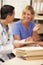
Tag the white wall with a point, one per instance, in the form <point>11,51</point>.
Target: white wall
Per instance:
<point>0,4</point>
<point>18,4</point>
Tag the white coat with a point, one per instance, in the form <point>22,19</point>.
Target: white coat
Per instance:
<point>6,42</point>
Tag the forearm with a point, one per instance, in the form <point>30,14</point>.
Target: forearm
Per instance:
<point>17,45</point>
<point>39,43</point>
<point>35,36</point>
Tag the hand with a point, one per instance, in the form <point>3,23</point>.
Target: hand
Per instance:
<point>37,27</point>
<point>29,39</point>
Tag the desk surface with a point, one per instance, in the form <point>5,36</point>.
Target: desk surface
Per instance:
<point>19,61</point>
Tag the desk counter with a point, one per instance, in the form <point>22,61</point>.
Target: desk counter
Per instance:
<point>19,61</point>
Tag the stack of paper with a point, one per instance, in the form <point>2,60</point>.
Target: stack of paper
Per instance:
<point>30,53</point>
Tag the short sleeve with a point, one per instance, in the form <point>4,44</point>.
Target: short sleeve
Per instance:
<point>16,30</point>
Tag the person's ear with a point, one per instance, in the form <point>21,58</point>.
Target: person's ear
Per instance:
<point>8,17</point>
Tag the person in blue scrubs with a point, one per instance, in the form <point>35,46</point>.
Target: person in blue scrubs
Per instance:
<point>26,29</point>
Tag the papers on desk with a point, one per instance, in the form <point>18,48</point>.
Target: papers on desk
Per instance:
<point>30,53</point>
<point>30,48</point>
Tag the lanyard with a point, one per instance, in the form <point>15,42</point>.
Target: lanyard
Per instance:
<point>4,27</point>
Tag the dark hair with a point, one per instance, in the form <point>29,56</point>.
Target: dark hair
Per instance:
<point>6,10</point>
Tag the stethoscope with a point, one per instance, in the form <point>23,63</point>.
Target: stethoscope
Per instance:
<point>5,34</point>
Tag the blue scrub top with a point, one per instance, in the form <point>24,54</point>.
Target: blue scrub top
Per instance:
<point>19,29</point>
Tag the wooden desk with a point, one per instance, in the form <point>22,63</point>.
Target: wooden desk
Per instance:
<point>19,61</point>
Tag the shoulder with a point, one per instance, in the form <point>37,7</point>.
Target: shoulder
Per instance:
<point>32,22</point>
<point>17,23</point>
